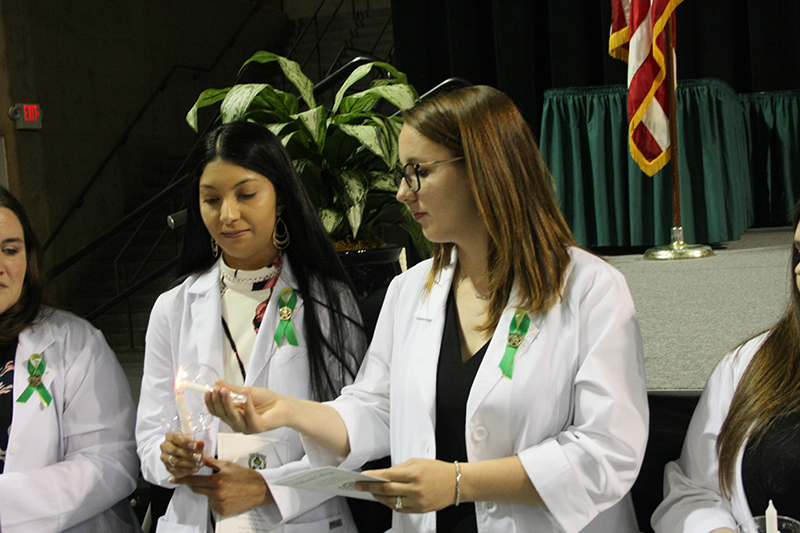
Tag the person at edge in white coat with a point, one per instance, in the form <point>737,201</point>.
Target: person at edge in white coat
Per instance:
<point>67,454</point>
<point>742,444</point>
<point>506,374</point>
<point>251,234</point>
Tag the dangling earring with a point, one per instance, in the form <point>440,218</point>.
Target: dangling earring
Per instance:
<point>214,247</point>
<point>280,238</point>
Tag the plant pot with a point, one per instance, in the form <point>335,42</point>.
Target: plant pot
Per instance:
<point>371,270</point>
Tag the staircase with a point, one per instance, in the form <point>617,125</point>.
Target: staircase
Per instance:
<point>129,257</point>
<point>361,33</point>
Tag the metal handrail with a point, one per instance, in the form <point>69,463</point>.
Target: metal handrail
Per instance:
<point>321,35</point>
<point>124,137</point>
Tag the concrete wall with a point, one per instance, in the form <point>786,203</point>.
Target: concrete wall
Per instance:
<point>92,65</point>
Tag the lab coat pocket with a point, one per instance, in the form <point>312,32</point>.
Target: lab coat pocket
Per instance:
<point>171,527</point>
<point>331,523</point>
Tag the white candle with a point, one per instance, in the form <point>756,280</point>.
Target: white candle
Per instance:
<point>772,518</point>
<point>197,387</point>
<point>183,414</point>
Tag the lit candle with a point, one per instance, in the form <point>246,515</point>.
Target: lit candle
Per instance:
<point>183,414</point>
<point>183,409</point>
<point>772,518</point>
<point>197,387</point>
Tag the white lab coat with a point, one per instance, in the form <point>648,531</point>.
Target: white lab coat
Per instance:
<point>575,410</point>
<point>693,502</point>
<point>186,327</point>
<point>71,465</point>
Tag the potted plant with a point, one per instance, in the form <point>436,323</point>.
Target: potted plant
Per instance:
<point>344,155</point>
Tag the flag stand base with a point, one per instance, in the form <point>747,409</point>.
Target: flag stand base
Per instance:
<point>678,249</point>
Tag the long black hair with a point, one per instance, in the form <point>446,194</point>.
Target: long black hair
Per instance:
<point>322,282</point>
<point>24,312</point>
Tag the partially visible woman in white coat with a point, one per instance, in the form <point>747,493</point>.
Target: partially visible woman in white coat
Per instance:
<point>253,245</point>
<point>506,375</point>
<point>742,444</point>
<point>67,454</point>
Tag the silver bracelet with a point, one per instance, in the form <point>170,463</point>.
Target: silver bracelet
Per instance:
<point>458,483</point>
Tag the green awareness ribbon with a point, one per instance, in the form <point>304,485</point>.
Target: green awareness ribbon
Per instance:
<point>516,334</point>
<point>36,371</point>
<point>286,308</point>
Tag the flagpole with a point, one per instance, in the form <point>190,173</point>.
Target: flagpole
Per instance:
<point>673,124</point>
<point>677,249</point>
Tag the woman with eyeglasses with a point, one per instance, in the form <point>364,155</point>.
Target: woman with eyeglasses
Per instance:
<point>67,455</point>
<point>505,376</point>
<point>263,301</point>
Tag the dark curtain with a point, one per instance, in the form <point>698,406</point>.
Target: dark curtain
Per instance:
<point>524,48</point>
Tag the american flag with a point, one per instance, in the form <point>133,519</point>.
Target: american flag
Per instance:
<point>637,36</point>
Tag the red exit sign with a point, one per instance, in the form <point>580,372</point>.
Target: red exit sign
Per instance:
<point>27,116</point>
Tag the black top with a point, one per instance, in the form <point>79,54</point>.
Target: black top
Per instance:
<point>7,352</point>
<point>771,468</point>
<point>453,382</point>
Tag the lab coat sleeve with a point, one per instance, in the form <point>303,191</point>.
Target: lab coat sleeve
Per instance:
<point>157,391</point>
<point>693,502</point>
<point>364,405</point>
<point>592,464</point>
<point>289,503</point>
<point>99,466</point>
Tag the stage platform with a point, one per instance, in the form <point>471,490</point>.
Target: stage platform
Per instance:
<point>693,311</point>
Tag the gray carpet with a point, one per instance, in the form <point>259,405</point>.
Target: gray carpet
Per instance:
<point>692,312</point>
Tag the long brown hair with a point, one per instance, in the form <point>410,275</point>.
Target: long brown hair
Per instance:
<point>528,237</point>
<point>770,386</point>
<point>24,312</point>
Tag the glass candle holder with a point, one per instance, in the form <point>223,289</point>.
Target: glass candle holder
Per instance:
<point>758,524</point>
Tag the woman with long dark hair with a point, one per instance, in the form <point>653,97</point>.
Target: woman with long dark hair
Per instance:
<point>506,375</point>
<point>742,444</point>
<point>67,454</point>
<point>254,247</point>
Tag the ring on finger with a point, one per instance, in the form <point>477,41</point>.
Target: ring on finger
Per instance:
<point>171,460</point>
<point>398,503</point>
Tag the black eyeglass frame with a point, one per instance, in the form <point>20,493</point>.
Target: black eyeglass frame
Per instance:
<point>403,172</point>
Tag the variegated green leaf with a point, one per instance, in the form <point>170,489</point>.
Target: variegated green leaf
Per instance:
<point>399,95</point>
<point>382,181</point>
<point>292,71</point>
<point>370,137</point>
<point>354,76</point>
<point>331,219</point>
<point>356,191</point>
<point>206,98</point>
<point>389,133</point>
<point>238,100</point>
<point>315,121</point>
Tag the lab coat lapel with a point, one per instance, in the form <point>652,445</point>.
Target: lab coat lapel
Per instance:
<point>429,325</point>
<point>265,348</point>
<point>205,336</point>
<point>489,373</point>
<point>32,418</point>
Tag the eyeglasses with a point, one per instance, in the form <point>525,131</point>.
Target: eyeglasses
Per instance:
<point>410,172</point>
